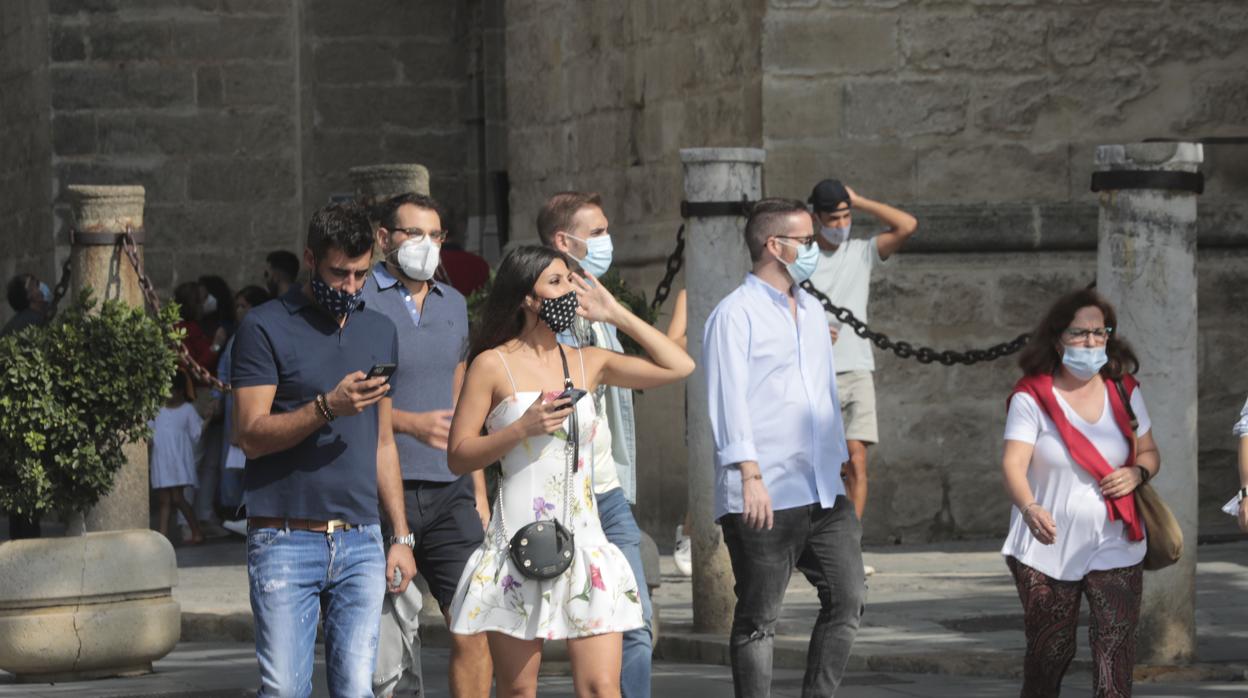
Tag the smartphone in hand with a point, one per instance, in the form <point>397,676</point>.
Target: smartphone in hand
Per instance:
<point>573,393</point>
<point>381,371</point>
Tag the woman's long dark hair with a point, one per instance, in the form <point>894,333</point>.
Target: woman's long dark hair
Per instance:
<point>502,318</point>
<point>1041,357</point>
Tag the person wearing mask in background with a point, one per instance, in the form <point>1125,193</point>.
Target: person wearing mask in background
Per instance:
<point>30,299</point>
<point>844,276</point>
<point>280,272</point>
<point>233,459</point>
<point>779,449</point>
<point>446,513</point>
<point>574,224</point>
<point>217,321</point>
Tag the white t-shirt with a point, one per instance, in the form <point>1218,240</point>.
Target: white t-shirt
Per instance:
<point>1086,539</point>
<point>844,276</point>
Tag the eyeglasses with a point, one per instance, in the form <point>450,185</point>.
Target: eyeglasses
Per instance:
<point>438,236</point>
<point>804,241</point>
<point>1078,334</point>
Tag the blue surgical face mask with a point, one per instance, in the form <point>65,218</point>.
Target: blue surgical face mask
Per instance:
<point>45,292</point>
<point>801,268</point>
<point>598,254</point>
<point>836,236</point>
<point>1084,362</point>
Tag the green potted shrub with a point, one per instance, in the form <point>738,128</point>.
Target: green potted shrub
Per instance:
<point>73,395</point>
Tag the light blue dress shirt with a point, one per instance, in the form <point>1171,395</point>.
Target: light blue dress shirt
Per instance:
<point>771,391</point>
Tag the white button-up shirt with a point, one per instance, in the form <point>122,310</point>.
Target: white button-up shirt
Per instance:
<point>771,389</point>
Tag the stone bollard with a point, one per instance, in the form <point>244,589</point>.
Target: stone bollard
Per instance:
<point>98,213</point>
<point>716,263</point>
<point>376,183</point>
<point>1146,266</point>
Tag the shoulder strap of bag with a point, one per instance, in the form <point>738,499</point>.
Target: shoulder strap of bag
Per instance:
<point>1126,402</point>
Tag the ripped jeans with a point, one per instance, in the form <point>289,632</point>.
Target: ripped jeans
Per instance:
<point>299,577</point>
<point>826,545</point>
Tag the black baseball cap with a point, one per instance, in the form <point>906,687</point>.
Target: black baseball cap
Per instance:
<point>828,195</point>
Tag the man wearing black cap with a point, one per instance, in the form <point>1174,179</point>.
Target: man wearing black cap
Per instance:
<point>844,275</point>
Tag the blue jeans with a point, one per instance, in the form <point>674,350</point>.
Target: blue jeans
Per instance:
<point>621,530</point>
<point>295,578</point>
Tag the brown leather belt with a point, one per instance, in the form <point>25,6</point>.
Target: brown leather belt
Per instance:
<point>299,524</point>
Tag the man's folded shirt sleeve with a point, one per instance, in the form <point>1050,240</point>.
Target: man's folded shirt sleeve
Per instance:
<point>254,361</point>
<point>726,357</point>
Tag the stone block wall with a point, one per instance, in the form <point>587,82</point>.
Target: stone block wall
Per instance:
<point>25,144</point>
<point>982,119</point>
<point>195,100</point>
<point>601,96</point>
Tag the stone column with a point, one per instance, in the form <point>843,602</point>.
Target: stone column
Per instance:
<point>376,183</point>
<point>1146,266</point>
<point>103,267</point>
<point>716,261</point>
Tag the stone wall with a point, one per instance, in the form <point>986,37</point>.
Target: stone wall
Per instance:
<point>601,96</point>
<point>195,100</point>
<point>982,119</point>
<point>25,144</point>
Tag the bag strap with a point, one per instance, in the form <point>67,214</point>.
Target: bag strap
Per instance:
<point>1126,402</point>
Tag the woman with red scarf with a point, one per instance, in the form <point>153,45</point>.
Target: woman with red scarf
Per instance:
<point>1070,470</point>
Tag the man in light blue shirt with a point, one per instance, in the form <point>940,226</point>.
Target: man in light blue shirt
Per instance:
<point>779,448</point>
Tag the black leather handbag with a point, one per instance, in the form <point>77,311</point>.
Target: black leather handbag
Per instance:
<point>544,549</point>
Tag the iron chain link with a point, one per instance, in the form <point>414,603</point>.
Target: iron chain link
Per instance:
<point>906,350</point>
<point>62,286</point>
<point>675,261</point>
<point>198,372</point>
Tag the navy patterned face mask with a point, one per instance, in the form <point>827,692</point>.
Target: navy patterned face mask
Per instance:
<point>558,313</point>
<point>338,303</point>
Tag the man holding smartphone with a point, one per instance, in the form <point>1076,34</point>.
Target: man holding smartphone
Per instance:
<point>574,223</point>
<point>779,449</point>
<point>447,514</point>
<point>320,460</point>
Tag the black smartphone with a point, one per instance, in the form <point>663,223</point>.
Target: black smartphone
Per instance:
<point>382,371</point>
<point>574,393</point>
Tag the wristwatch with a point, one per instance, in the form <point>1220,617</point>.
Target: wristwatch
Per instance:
<point>409,540</point>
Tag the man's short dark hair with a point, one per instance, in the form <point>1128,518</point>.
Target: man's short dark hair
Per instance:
<point>559,210</point>
<point>284,262</point>
<point>386,213</point>
<point>340,226</point>
<point>19,299</point>
<point>767,221</point>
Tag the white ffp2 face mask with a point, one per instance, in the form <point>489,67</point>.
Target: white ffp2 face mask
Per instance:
<point>418,259</point>
<point>836,236</point>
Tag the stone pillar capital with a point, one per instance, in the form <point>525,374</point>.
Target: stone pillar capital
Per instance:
<point>106,208</point>
<point>376,183</point>
<point>1165,156</point>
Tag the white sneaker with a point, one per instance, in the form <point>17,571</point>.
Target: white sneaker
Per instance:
<point>683,554</point>
<point>238,527</point>
<point>867,570</point>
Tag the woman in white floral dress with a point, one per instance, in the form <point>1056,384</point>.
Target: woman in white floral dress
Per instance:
<point>507,412</point>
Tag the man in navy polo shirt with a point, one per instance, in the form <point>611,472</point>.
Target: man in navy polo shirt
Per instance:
<point>446,513</point>
<point>320,458</point>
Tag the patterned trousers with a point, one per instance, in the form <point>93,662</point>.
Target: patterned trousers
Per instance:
<point>1051,617</point>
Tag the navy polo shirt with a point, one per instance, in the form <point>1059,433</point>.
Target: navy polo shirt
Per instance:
<point>432,341</point>
<point>293,344</point>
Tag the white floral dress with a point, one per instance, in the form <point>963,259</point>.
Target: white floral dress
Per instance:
<point>597,594</point>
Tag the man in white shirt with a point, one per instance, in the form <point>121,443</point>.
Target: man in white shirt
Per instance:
<point>844,276</point>
<point>779,450</point>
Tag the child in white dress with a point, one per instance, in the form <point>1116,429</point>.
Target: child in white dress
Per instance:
<point>175,434</point>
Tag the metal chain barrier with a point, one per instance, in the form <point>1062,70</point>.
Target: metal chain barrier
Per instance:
<point>906,350</point>
<point>198,372</point>
<point>62,286</point>
<point>675,261</point>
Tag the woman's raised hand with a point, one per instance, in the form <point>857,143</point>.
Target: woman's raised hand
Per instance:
<point>544,416</point>
<point>596,303</point>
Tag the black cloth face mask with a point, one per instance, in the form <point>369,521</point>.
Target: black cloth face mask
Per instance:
<point>558,313</point>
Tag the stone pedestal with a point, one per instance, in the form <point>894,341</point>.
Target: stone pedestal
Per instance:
<point>105,269</point>
<point>1146,266</point>
<point>376,183</point>
<point>89,606</point>
<point>716,261</point>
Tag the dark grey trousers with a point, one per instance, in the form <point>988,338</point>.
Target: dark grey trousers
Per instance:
<point>826,545</point>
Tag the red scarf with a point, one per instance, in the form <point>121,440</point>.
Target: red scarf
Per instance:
<point>1040,388</point>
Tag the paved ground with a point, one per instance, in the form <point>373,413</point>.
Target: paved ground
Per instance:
<point>228,670</point>
<point>941,621</point>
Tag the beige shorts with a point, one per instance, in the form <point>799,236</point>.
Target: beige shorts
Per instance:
<point>856,390</point>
